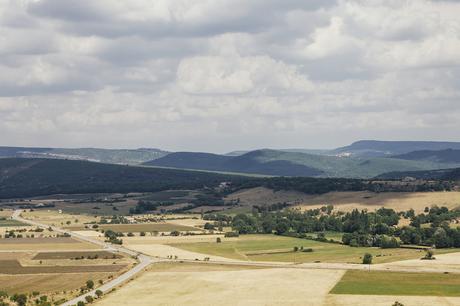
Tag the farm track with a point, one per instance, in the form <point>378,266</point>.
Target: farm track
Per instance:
<point>144,261</point>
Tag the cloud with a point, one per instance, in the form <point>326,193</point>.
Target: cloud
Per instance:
<point>223,74</point>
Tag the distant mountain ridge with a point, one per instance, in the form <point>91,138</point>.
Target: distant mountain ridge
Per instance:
<point>246,163</point>
<point>378,148</point>
<point>442,156</point>
<point>438,174</point>
<point>282,163</point>
<point>111,156</point>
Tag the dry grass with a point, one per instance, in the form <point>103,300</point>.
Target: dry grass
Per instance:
<point>43,244</point>
<point>47,283</point>
<point>53,217</point>
<point>148,227</point>
<point>14,267</point>
<point>399,201</point>
<point>6,213</point>
<point>73,255</point>
<point>243,287</point>
<point>264,196</point>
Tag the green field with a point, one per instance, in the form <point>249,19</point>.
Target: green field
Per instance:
<point>148,227</point>
<point>398,283</point>
<point>278,248</point>
<point>9,222</point>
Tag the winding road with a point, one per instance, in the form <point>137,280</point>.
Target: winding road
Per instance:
<point>144,260</point>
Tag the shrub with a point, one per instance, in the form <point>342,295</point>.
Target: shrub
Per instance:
<point>89,284</point>
<point>231,234</point>
<point>367,259</point>
<point>218,240</point>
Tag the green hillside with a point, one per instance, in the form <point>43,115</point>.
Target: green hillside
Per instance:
<point>111,156</point>
<point>282,163</point>
<point>21,177</point>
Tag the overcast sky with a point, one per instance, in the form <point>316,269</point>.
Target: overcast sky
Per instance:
<point>221,75</point>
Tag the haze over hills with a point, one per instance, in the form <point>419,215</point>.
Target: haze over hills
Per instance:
<point>362,159</point>
<point>110,156</point>
<point>438,174</point>
<point>273,162</point>
<point>442,156</point>
<point>377,148</point>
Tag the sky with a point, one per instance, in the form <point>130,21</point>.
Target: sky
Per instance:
<point>223,75</point>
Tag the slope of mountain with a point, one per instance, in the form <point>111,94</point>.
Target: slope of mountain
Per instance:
<point>375,148</point>
<point>113,156</point>
<point>439,174</point>
<point>273,162</point>
<point>254,162</point>
<point>25,177</point>
<point>443,156</point>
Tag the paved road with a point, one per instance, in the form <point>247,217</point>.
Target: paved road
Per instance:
<point>144,260</point>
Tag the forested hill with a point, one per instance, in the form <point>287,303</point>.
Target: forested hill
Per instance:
<point>441,174</point>
<point>442,156</point>
<point>377,148</point>
<point>22,177</point>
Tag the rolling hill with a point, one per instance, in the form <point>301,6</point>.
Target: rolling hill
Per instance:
<point>112,156</point>
<point>438,174</point>
<point>376,148</point>
<point>254,162</point>
<point>442,156</point>
<point>282,163</point>
<point>26,177</point>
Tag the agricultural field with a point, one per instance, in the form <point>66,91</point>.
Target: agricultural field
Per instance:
<point>5,213</point>
<point>203,284</point>
<point>148,227</point>
<point>398,283</point>
<point>10,223</point>
<point>43,244</point>
<point>280,249</point>
<point>54,218</point>
<point>399,201</point>
<point>58,274</point>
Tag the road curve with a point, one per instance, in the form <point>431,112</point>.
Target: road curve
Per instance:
<point>144,260</point>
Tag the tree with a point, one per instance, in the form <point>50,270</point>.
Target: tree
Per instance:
<point>89,299</point>
<point>80,303</point>
<point>89,284</point>
<point>218,240</point>
<point>367,259</point>
<point>99,293</point>
<point>21,299</point>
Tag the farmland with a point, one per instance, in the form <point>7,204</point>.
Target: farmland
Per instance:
<point>398,283</point>
<point>399,201</point>
<point>10,223</point>
<point>43,244</point>
<point>147,227</point>
<point>213,285</point>
<point>276,248</point>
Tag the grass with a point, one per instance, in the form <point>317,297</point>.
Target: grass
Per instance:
<point>147,227</point>
<point>14,267</point>
<point>277,248</point>
<point>9,222</point>
<point>398,283</point>
<point>72,255</point>
<point>47,283</point>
